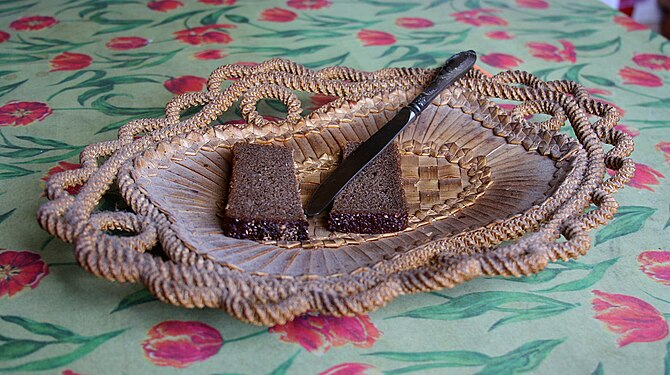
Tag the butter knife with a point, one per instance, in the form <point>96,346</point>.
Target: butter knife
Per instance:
<point>454,68</point>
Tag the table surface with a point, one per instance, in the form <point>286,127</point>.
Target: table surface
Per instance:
<point>73,71</point>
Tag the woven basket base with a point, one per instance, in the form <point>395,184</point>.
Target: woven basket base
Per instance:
<point>449,160</point>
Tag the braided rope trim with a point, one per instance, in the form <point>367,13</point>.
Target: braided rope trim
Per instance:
<point>190,280</point>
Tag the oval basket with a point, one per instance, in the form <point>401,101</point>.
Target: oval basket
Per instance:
<point>474,175</point>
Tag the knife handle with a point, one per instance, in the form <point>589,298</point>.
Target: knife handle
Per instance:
<point>444,78</point>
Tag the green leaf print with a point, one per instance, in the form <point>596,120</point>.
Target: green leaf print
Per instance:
<point>37,146</point>
<point>48,45</point>
<point>420,368</point>
<point>134,299</point>
<point>335,22</point>
<point>590,9</point>
<point>458,358</point>
<point>278,51</point>
<point>575,17</point>
<point>473,4</point>
<point>284,366</point>
<point>557,34</point>
<point>573,73</point>
<point>16,9</point>
<point>651,124</point>
<point>139,60</point>
<point>661,103</point>
<point>116,25</point>
<point>602,81</point>
<point>62,360</point>
<point>11,87</point>
<point>103,105</point>
<point>499,4</point>
<point>436,3</point>
<point>547,274</point>
<point>424,60</point>
<point>409,50</point>
<point>301,35</point>
<point>43,141</point>
<point>99,84</point>
<point>440,37</point>
<point>15,58</point>
<point>235,18</point>
<point>52,159</point>
<point>599,370</point>
<point>213,18</point>
<point>479,303</point>
<point>629,219</point>
<point>91,6</point>
<point>610,47</point>
<point>593,277</point>
<point>11,171</point>
<point>332,61</point>
<point>21,154</point>
<point>117,124</point>
<point>18,348</point>
<point>39,328</point>
<point>97,74</point>
<point>544,73</point>
<point>6,215</point>
<point>539,312</point>
<point>391,7</point>
<point>526,358</point>
<point>177,17</point>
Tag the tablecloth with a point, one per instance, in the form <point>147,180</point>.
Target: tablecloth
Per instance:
<point>73,71</point>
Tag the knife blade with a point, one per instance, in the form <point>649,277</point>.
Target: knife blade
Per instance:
<point>454,68</point>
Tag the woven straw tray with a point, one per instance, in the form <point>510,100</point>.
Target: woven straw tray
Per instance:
<point>475,176</point>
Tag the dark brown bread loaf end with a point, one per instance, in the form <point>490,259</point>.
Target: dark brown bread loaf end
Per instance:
<point>374,202</point>
<point>263,197</point>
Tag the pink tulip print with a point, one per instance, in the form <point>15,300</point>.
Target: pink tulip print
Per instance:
<point>633,319</point>
<point>181,343</point>
<point>320,333</point>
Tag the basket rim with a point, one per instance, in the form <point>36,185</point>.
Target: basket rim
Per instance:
<point>191,281</point>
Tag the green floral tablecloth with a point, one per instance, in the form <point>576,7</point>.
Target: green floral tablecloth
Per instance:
<point>74,71</point>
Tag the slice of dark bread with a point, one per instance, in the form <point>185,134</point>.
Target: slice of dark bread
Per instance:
<point>263,196</point>
<point>374,201</point>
